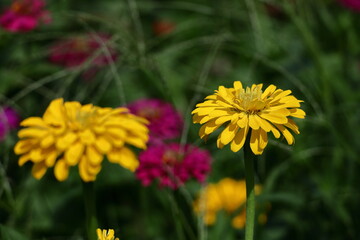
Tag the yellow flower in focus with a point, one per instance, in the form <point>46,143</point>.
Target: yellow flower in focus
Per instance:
<point>71,134</point>
<point>228,195</point>
<point>103,235</point>
<point>242,110</point>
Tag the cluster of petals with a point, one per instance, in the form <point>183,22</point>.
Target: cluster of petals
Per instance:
<point>24,15</point>
<point>165,121</point>
<point>248,110</point>
<point>227,195</point>
<point>9,120</point>
<point>172,164</point>
<point>71,134</point>
<point>106,235</point>
<point>75,51</point>
<point>352,4</point>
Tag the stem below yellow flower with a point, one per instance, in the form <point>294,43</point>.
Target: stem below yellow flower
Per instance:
<point>90,209</point>
<point>249,158</point>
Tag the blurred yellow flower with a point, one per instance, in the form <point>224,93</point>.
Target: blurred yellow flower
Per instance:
<point>228,195</point>
<point>71,134</point>
<point>241,109</point>
<point>103,235</point>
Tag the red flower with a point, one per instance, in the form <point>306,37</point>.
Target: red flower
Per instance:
<point>173,165</point>
<point>24,15</point>
<point>165,121</point>
<point>75,51</point>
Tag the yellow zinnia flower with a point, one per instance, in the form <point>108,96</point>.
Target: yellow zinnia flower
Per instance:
<point>70,134</point>
<point>241,109</point>
<point>103,235</point>
<point>228,195</point>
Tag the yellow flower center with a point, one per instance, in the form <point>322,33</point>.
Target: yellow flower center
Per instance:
<point>149,113</point>
<point>82,120</point>
<point>250,100</point>
<point>81,44</point>
<point>20,7</point>
<point>171,157</point>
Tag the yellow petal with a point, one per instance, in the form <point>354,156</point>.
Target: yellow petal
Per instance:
<point>37,155</point>
<point>292,125</point>
<point>219,144</point>
<point>282,94</point>
<point>223,119</point>
<point>32,133</point>
<point>23,159</point>
<point>264,124</point>
<point>228,134</point>
<point>209,127</point>
<point>239,140</point>
<point>116,132</point>
<point>61,170</point>
<point>263,140</point>
<point>125,157</point>
<point>72,109</point>
<point>83,171</point>
<point>278,116</point>
<point>51,158</point>
<point>136,141</point>
<point>24,146</point>
<point>94,156</point>
<point>254,142</point>
<point>99,233</point>
<point>220,113</point>
<point>33,122</point>
<point>47,141</point>
<point>38,170</point>
<point>253,123</point>
<point>243,120</point>
<point>74,152</point>
<point>298,113</point>
<point>65,141</point>
<point>87,137</point>
<point>268,91</point>
<point>237,85</point>
<point>288,136</point>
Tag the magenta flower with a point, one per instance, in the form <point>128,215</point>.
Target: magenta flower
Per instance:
<point>352,4</point>
<point>75,51</point>
<point>24,15</point>
<point>165,121</point>
<point>173,165</point>
<point>9,120</point>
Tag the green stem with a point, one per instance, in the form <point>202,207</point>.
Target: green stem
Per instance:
<point>250,192</point>
<point>90,210</point>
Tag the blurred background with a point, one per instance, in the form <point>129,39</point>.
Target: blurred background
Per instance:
<point>112,53</point>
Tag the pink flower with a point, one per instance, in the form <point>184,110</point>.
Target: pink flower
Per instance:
<point>353,4</point>
<point>75,51</point>
<point>24,15</point>
<point>9,119</point>
<point>165,121</point>
<point>173,165</point>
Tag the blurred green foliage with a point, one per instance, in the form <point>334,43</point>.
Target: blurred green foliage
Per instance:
<point>311,47</point>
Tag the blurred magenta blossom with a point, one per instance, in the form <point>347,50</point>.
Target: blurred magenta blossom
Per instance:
<point>173,165</point>
<point>165,121</point>
<point>353,4</point>
<point>75,51</point>
<point>9,120</point>
<point>24,15</point>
